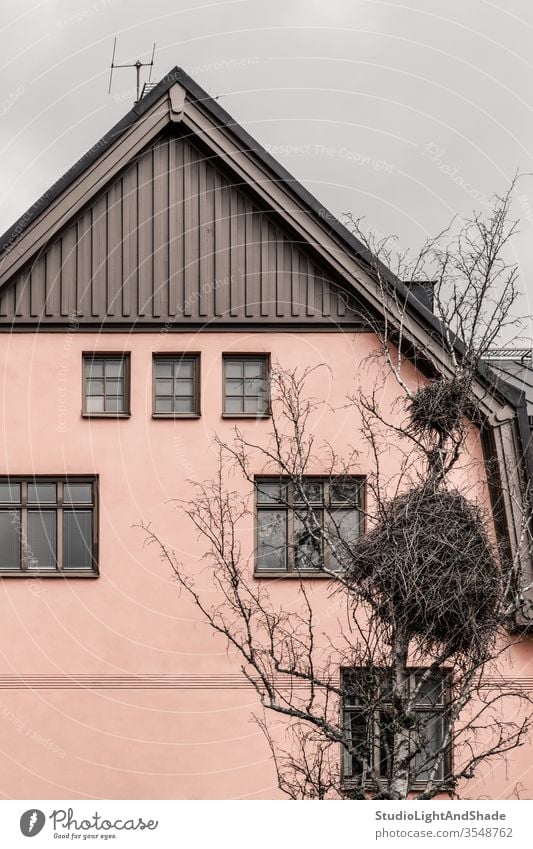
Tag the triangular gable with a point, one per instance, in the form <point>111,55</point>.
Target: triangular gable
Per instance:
<point>173,239</point>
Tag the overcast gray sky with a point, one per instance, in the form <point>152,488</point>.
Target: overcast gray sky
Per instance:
<point>405,113</point>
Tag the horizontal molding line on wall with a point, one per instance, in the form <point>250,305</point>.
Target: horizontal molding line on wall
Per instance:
<point>134,682</point>
<point>186,682</point>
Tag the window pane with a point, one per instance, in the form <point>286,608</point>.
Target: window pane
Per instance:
<point>254,405</point>
<point>95,405</point>
<point>114,404</point>
<point>77,536</point>
<point>271,492</point>
<point>164,387</point>
<point>164,368</point>
<point>431,691</point>
<point>163,405</point>
<point>363,687</point>
<point>114,368</point>
<point>183,387</point>
<point>386,742</point>
<point>233,405</point>
<point>234,387</point>
<point>183,405</point>
<point>41,493</point>
<point>430,738</point>
<point>359,735</point>
<point>254,387</point>
<point>345,490</point>
<point>184,368</point>
<point>254,368</point>
<point>312,492</point>
<point>271,540</point>
<point>95,387</point>
<point>10,493</point>
<point>41,550</point>
<point>9,539</point>
<point>77,493</point>
<point>344,529</point>
<point>114,387</point>
<point>234,368</point>
<point>307,541</point>
<point>94,368</point>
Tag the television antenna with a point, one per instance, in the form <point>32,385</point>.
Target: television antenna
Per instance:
<point>137,65</point>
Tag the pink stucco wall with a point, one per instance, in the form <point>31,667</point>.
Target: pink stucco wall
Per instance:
<point>165,743</point>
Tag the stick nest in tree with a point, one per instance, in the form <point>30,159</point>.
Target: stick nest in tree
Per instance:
<point>429,567</point>
<point>438,407</point>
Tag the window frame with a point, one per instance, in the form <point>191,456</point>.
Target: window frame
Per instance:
<point>91,356</point>
<point>420,708</point>
<point>290,570</point>
<point>58,508</point>
<point>246,355</point>
<point>195,357</point>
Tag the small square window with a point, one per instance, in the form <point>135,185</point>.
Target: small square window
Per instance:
<point>246,391</point>
<point>106,389</point>
<point>176,385</point>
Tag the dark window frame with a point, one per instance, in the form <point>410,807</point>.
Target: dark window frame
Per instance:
<point>94,356</point>
<point>178,356</point>
<point>421,708</point>
<point>237,357</point>
<point>290,508</point>
<point>59,507</point>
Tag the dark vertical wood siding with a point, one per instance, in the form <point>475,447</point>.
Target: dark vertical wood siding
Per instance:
<point>173,239</point>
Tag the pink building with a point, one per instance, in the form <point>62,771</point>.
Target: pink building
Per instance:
<point>173,260</point>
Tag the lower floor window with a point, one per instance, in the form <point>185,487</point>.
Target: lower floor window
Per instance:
<point>368,724</point>
<point>308,525</point>
<point>47,525</point>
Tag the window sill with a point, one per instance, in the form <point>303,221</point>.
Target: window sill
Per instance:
<point>176,415</point>
<point>63,573</point>
<point>350,784</point>
<point>298,575</point>
<point>106,415</point>
<point>245,415</point>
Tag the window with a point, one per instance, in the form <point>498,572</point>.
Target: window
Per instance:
<point>176,385</point>
<point>246,386</point>
<point>48,526</point>
<point>106,389</point>
<point>293,522</point>
<point>368,720</point>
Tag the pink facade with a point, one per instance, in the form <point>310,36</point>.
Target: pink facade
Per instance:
<point>77,724</point>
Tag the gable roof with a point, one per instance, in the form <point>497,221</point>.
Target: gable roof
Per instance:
<point>174,241</point>
<point>416,300</point>
<point>197,95</point>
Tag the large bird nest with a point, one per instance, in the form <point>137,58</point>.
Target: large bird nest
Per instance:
<point>429,567</point>
<point>438,407</point>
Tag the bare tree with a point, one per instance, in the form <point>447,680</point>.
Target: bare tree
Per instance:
<point>412,672</point>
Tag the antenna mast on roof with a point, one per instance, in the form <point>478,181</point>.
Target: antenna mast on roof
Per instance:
<point>137,65</point>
